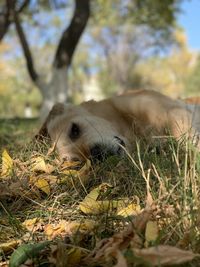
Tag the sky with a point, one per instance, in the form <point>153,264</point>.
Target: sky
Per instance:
<point>190,21</point>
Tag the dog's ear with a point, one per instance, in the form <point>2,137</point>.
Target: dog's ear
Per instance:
<point>57,109</point>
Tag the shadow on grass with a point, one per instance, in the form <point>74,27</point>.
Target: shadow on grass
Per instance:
<point>14,133</point>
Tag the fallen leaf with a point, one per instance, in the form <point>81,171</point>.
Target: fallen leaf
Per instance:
<point>58,255</point>
<point>90,205</point>
<point>164,255</point>
<point>129,237</point>
<point>130,210</point>
<point>78,175</point>
<point>151,232</point>
<point>43,185</point>
<point>69,164</point>
<point>69,173</point>
<point>25,252</point>
<point>73,257</point>
<point>51,179</point>
<point>32,225</point>
<point>84,227</point>
<point>8,246</point>
<point>68,228</point>
<point>86,168</point>
<point>56,230</point>
<point>7,164</point>
<point>95,207</point>
<point>39,165</point>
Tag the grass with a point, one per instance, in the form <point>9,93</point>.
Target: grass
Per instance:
<point>169,173</point>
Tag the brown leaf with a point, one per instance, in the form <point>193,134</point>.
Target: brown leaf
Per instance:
<point>69,228</point>
<point>164,255</point>
<point>121,261</point>
<point>106,248</point>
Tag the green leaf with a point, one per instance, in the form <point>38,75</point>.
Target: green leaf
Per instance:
<point>25,252</point>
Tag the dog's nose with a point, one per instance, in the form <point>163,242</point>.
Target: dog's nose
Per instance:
<point>100,152</point>
<point>97,152</point>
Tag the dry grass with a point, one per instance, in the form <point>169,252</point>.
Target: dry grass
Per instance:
<point>170,173</point>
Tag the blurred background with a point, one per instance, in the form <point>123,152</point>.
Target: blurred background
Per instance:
<point>64,50</point>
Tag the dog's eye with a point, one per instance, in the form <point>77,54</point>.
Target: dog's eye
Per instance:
<point>74,132</point>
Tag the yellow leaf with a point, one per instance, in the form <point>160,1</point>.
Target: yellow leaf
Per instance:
<point>70,173</point>
<point>83,227</point>
<point>7,164</point>
<point>40,165</point>
<point>32,225</point>
<point>43,185</point>
<point>86,167</point>
<point>74,257</point>
<point>151,232</point>
<point>90,204</point>
<point>6,247</point>
<point>69,164</point>
<point>95,207</point>
<point>130,210</point>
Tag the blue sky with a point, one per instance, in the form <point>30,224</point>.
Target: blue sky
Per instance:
<point>190,20</point>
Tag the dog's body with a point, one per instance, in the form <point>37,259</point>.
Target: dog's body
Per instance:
<point>105,127</point>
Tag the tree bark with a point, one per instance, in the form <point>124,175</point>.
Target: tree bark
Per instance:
<point>6,18</point>
<point>72,34</point>
<point>56,89</point>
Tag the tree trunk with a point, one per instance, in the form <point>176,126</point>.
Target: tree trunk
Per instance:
<point>55,90</point>
<point>5,15</point>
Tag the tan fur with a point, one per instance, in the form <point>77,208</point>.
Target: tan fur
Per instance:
<point>140,114</point>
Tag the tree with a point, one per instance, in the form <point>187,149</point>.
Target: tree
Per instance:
<point>156,16</point>
<point>193,81</point>
<point>169,73</point>
<point>55,89</point>
<point>128,32</point>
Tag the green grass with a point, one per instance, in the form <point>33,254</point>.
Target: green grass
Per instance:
<point>14,133</point>
<point>172,171</point>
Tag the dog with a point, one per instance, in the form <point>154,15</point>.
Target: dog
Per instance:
<point>111,126</point>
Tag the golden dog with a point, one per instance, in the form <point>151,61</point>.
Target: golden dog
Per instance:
<point>111,126</point>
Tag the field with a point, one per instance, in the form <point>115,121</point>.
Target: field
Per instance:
<point>142,210</point>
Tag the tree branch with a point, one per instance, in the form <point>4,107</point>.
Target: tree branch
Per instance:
<point>5,17</point>
<point>72,34</point>
<point>25,47</point>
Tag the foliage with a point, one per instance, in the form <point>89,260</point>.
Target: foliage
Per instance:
<point>129,65</point>
<point>158,15</point>
<point>16,89</point>
<point>193,81</point>
<point>140,26</point>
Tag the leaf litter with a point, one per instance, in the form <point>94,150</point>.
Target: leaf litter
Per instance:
<point>138,235</point>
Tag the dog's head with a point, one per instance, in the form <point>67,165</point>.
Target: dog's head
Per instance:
<point>78,134</point>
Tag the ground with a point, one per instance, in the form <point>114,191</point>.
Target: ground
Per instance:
<point>142,210</point>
